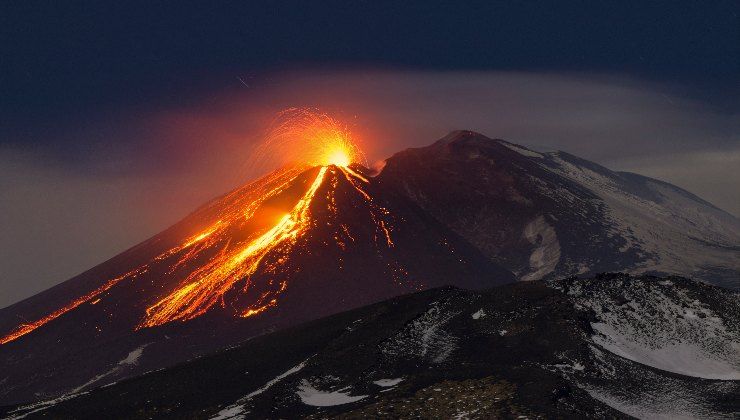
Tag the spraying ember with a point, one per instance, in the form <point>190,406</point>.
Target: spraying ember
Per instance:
<point>255,229</point>
<point>300,136</point>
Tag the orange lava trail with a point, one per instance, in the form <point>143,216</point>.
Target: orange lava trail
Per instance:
<point>299,139</point>
<point>24,329</point>
<point>204,287</point>
<point>243,203</point>
<point>377,213</point>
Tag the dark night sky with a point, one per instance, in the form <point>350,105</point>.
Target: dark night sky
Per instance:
<point>90,93</point>
<point>61,61</point>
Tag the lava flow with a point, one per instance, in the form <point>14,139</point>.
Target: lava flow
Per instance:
<point>24,329</point>
<point>204,287</point>
<point>223,258</point>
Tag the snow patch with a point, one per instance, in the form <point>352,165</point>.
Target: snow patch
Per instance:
<point>662,327</point>
<point>312,396</point>
<point>522,151</point>
<point>278,378</point>
<point>575,366</point>
<point>385,383</point>
<point>237,411</point>
<point>685,358</point>
<point>546,254</point>
<point>22,412</point>
<point>478,315</point>
<point>424,337</point>
<point>232,412</point>
<point>131,359</point>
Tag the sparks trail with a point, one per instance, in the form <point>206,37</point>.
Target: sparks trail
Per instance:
<point>307,137</point>
<point>237,244</point>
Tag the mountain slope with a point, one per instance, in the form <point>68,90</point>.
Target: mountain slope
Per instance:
<point>306,242</point>
<point>550,215</point>
<point>258,259</point>
<point>527,349</point>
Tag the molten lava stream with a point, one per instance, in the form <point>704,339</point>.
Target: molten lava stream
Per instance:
<point>242,205</point>
<point>207,285</point>
<point>24,329</point>
<point>377,213</point>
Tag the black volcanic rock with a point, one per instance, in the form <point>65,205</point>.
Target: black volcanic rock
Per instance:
<point>466,211</point>
<point>567,349</point>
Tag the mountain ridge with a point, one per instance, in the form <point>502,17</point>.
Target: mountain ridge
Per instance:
<point>466,210</point>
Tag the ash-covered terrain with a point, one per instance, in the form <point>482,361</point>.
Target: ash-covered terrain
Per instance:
<point>611,346</point>
<point>302,244</point>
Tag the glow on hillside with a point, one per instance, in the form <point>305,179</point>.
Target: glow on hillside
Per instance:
<point>244,239</point>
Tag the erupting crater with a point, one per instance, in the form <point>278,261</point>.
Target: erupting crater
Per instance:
<point>254,231</point>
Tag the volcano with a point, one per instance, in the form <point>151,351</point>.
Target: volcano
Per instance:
<point>308,241</point>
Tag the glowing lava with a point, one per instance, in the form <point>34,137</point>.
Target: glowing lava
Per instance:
<point>237,244</point>
<point>300,136</point>
<point>24,329</point>
<point>338,158</point>
<point>204,287</point>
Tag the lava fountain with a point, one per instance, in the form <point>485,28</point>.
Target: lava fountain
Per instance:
<point>300,136</point>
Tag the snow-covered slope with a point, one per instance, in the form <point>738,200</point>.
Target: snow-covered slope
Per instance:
<point>645,328</point>
<point>672,230</point>
<point>664,325</point>
<point>612,346</point>
<point>551,215</point>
